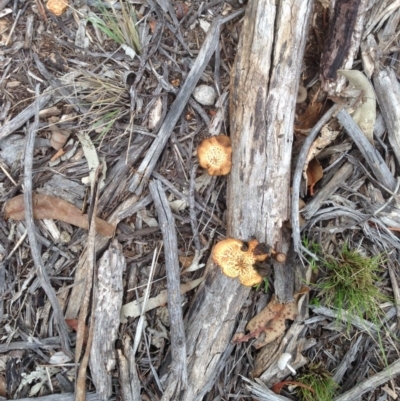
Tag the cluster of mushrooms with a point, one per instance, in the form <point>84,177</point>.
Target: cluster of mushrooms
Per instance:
<point>235,257</point>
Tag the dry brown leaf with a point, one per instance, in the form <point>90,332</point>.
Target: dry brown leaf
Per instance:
<point>314,174</point>
<point>50,207</point>
<point>59,137</point>
<point>152,24</point>
<point>269,324</point>
<point>181,9</point>
<point>186,261</point>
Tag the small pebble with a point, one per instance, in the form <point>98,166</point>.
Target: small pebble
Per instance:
<point>205,95</point>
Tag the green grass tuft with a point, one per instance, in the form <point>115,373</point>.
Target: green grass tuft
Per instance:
<point>316,377</point>
<point>350,284</point>
<point>119,25</point>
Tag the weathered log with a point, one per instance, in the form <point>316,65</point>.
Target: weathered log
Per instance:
<point>263,94</point>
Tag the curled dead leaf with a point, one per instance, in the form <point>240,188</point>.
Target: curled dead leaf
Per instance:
<point>50,207</point>
<point>314,173</point>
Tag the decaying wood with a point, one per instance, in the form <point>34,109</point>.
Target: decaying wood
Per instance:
<point>343,41</point>
<point>178,378</point>
<point>262,112</point>
<point>33,242</point>
<point>371,383</point>
<point>387,90</point>
<point>108,302</point>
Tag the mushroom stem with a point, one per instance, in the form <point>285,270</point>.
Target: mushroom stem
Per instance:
<point>291,369</point>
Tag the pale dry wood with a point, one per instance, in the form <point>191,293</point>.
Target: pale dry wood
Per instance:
<point>262,113</point>
<point>88,301</point>
<point>29,31</point>
<point>371,383</point>
<point>130,383</point>
<point>178,379</point>
<point>361,324</point>
<point>108,302</point>
<point>387,90</point>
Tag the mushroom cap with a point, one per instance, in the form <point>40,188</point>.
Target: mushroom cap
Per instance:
<point>280,257</point>
<point>235,260</point>
<point>283,360</point>
<point>215,155</point>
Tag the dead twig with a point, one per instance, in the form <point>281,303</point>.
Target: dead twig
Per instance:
<point>193,219</point>
<point>371,155</point>
<point>298,174</point>
<point>35,248</point>
<point>178,343</point>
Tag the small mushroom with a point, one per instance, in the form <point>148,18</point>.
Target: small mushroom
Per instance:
<point>261,250</point>
<point>301,94</point>
<point>283,362</point>
<point>237,260</point>
<point>215,155</point>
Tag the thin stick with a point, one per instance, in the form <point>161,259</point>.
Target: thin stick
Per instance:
<point>145,300</point>
<point>193,219</point>
<point>35,250</point>
<point>298,172</point>
<point>178,342</point>
<point>372,157</point>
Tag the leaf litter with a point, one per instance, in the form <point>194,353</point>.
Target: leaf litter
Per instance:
<point>83,64</point>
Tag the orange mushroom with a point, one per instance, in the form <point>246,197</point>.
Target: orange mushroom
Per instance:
<point>244,260</point>
<point>215,154</point>
<point>237,260</point>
